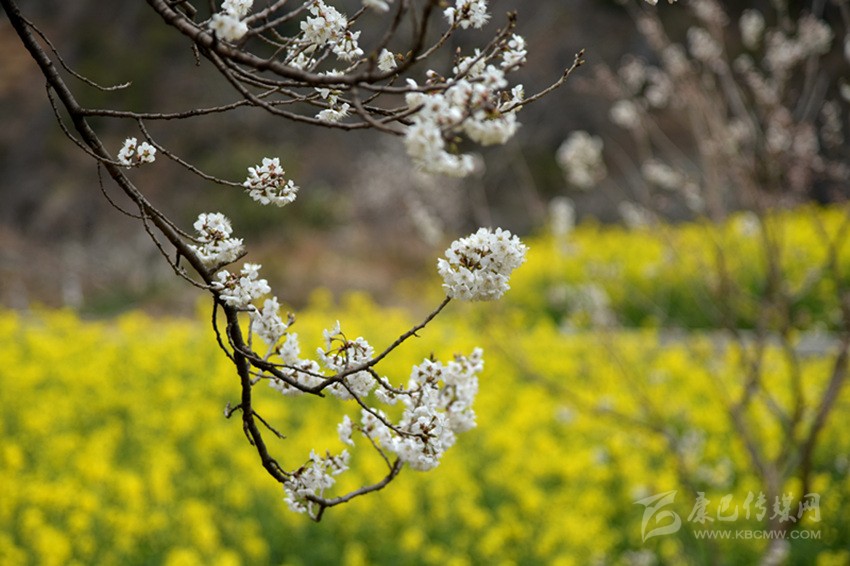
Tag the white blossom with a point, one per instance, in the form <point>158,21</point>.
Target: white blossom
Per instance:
<point>478,267</point>
<point>815,36</point>
<point>428,436</point>
<point>634,215</point>
<point>238,290</point>
<point>346,47</point>
<point>514,53</point>
<point>386,61</point>
<point>466,13</point>
<point>440,409</point>
<point>491,130</point>
<point>333,115</point>
<point>752,28</point>
<point>562,217</point>
<point>237,8</point>
<point>266,183</point>
<point>344,430</point>
<point>305,373</point>
<point>146,153</point>
<point>327,26</point>
<point>662,175</point>
<point>659,88</point>
<point>580,158</point>
<point>703,46</point>
<point>625,114</point>
<point>340,355</point>
<point>633,73</point>
<point>133,153</point>
<point>216,246</point>
<point>290,351</point>
<point>472,105</point>
<point>227,26</point>
<point>267,324</point>
<point>312,479</point>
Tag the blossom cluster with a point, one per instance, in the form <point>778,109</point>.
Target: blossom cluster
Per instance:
<point>133,153</point>
<point>418,422</point>
<point>475,101</point>
<point>266,183</point>
<point>239,289</point>
<point>437,406</point>
<point>327,26</point>
<point>478,267</point>
<point>228,24</point>
<point>312,479</point>
<point>341,355</point>
<point>216,246</point>
<point>467,13</point>
<point>476,104</point>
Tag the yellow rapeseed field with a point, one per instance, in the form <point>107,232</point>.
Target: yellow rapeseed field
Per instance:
<point>115,448</point>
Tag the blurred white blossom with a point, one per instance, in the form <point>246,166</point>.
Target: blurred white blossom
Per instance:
<point>227,26</point>
<point>752,28</point>
<point>237,8</point>
<point>580,158</point>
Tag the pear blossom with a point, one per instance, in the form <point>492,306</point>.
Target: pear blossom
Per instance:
<point>305,373</point>
<point>386,61</point>
<point>341,354</point>
<point>266,323</point>
<point>266,183</point>
<point>133,153</point>
<point>345,430</point>
<point>216,246</point>
<point>227,26</point>
<point>237,8</point>
<point>312,479</point>
<point>327,26</point>
<point>478,267</point>
<point>514,52</point>
<point>438,406</point>
<point>468,13</point>
<point>333,115</point>
<point>472,105</point>
<point>238,290</point>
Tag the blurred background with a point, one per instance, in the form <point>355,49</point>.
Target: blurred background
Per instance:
<point>363,219</point>
<point>658,339</point>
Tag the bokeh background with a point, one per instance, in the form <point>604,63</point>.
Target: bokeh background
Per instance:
<point>610,364</point>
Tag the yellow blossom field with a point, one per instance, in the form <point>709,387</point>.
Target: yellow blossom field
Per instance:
<point>116,450</point>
